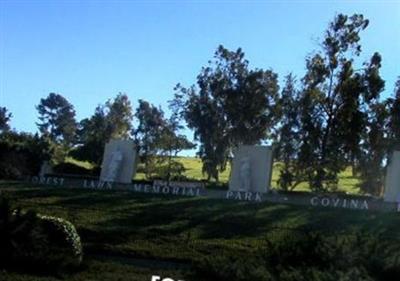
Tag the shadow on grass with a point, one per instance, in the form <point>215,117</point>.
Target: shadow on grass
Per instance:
<point>117,217</point>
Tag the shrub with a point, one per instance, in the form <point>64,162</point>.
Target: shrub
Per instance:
<point>9,170</point>
<point>33,242</point>
<point>22,154</point>
<point>64,249</point>
<point>173,171</point>
<point>18,234</point>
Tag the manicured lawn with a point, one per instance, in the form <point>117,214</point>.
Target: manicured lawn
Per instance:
<point>176,229</point>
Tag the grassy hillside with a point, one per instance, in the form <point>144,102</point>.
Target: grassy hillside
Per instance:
<point>173,229</point>
<point>347,182</point>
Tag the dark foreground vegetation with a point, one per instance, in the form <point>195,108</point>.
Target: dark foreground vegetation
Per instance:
<point>127,236</point>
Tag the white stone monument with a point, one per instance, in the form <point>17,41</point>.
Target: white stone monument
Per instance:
<point>251,169</point>
<point>119,161</point>
<point>392,180</point>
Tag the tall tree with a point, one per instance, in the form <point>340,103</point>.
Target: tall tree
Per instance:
<point>109,121</point>
<point>171,142</point>
<point>92,136</point>
<point>332,101</point>
<point>230,106</point>
<point>288,134</point>
<point>57,119</point>
<point>119,116</point>
<point>150,126</point>
<point>374,148</point>
<point>394,123</point>
<point>5,118</point>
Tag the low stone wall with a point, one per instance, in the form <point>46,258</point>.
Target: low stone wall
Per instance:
<point>324,200</point>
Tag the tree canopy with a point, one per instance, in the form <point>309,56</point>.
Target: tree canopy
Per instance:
<point>57,119</point>
<point>231,105</point>
<point>111,120</point>
<point>5,118</point>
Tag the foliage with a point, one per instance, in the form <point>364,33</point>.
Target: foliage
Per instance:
<point>92,137</point>
<point>232,105</point>
<point>119,117</point>
<point>5,118</point>
<point>57,119</point>
<point>22,154</point>
<point>288,134</point>
<point>171,143</point>
<point>37,242</point>
<point>112,120</point>
<point>17,234</point>
<point>374,150</point>
<point>151,124</point>
<point>64,248</point>
<point>334,107</point>
<point>57,124</point>
<point>394,118</point>
<point>172,170</point>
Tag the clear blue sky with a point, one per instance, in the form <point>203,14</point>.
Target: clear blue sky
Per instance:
<point>88,51</point>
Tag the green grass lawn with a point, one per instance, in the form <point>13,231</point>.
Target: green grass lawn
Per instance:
<point>175,229</point>
<point>347,182</point>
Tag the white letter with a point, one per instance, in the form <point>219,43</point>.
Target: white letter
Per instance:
<point>314,201</point>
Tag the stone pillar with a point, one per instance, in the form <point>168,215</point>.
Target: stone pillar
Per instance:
<point>251,169</point>
<point>119,161</point>
<point>392,180</point>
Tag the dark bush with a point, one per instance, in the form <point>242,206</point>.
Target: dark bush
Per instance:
<point>40,243</point>
<point>64,250</point>
<point>18,234</point>
<point>22,154</point>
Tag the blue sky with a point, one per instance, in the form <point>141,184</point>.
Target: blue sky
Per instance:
<point>89,51</point>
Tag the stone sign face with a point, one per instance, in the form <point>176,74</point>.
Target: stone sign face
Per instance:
<point>45,169</point>
<point>251,169</point>
<point>392,181</point>
<point>119,161</point>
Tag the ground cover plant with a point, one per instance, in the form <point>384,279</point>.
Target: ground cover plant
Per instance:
<point>182,236</point>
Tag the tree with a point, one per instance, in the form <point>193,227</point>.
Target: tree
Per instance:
<point>171,143</point>
<point>230,106</point>
<point>394,122</point>
<point>5,118</point>
<point>332,103</point>
<point>57,119</point>
<point>109,121</point>
<point>374,148</point>
<point>92,137</point>
<point>119,117</point>
<point>288,134</point>
<point>147,134</point>
<point>21,154</point>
